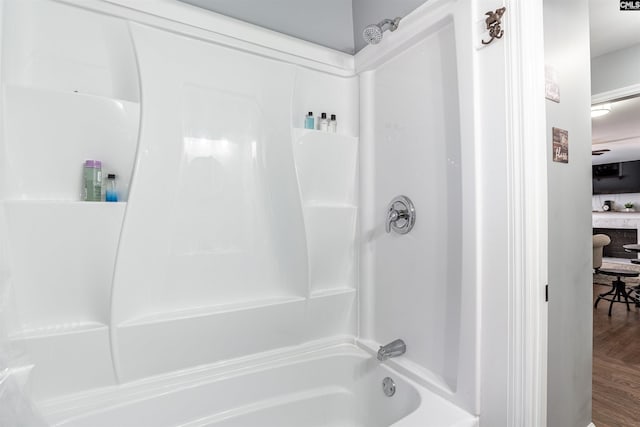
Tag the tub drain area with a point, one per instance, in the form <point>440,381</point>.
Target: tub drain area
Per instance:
<point>388,386</point>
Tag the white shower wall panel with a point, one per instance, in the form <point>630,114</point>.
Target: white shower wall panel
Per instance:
<point>240,230</point>
<point>213,258</point>
<point>50,133</point>
<point>47,44</point>
<point>210,248</point>
<point>65,361</point>
<point>205,222</point>
<point>416,280</point>
<point>70,93</point>
<point>61,279</point>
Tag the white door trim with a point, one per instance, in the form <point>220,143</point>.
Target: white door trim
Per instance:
<point>527,201</point>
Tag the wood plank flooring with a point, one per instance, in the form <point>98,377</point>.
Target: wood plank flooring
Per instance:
<point>616,364</point>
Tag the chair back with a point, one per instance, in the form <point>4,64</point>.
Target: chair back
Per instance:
<point>599,242</point>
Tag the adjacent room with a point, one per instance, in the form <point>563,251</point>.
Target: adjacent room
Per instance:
<point>615,51</point>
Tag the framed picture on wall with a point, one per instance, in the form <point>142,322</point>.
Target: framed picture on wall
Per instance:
<point>560,145</point>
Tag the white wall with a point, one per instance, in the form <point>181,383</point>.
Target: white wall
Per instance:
<point>615,70</point>
<point>566,26</point>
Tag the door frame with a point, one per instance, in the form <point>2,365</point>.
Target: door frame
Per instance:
<point>527,200</point>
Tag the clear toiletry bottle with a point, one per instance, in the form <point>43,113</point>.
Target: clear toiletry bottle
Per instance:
<point>309,121</point>
<point>92,180</point>
<point>323,124</point>
<point>333,124</point>
<point>112,192</point>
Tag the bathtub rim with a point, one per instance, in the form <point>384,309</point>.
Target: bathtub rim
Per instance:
<point>79,405</point>
<point>115,395</point>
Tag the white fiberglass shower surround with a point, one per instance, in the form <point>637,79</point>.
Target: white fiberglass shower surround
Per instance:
<point>245,278</point>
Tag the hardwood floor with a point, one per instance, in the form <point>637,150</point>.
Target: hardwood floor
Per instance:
<point>616,364</point>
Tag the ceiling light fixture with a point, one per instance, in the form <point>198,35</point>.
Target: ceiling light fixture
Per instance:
<point>600,110</point>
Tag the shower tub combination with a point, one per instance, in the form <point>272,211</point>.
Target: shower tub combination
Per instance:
<point>252,268</point>
<point>339,385</point>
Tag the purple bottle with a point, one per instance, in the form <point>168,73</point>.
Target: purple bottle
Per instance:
<point>92,179</point>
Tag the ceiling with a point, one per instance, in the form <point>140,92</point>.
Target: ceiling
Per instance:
<point>336,24</point>
<point>619,131</point>
<point>611,28</point>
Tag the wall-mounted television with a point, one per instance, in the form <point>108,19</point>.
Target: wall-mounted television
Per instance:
<point>615,178</point>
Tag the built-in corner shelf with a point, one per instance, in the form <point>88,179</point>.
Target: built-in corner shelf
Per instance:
<point>326,166</point>
<point>67,216</point>
<point>300,132</point>
<point>68,204</point>
<point>54,329</point>
<point>50,133</point>
<point>330,292</point>
<point>212,310</point>
<point>53,92</point>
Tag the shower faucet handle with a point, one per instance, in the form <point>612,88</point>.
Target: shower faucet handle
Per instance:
<point>392,216</point>
<point>401,215</point>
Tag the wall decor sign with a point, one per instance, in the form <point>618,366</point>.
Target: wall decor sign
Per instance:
<point>551,87</point>
<point>560,145</point>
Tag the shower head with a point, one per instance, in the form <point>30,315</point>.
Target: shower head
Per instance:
<point>372,34</point>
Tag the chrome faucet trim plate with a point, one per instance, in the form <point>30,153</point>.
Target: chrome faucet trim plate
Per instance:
<point>401,215</point>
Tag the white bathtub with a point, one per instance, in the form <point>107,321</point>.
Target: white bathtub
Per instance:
<point>334,386</point>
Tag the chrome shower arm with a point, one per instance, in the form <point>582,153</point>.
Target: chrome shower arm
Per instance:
<point>392,23</point>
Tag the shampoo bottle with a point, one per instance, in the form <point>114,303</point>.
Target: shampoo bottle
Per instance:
<point>112,192</point>
<point>333,124</point>
<point>309,121</point>
<point>324,123</point>
<point>92,181</point>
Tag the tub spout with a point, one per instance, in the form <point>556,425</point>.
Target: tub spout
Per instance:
<point>393,349</point>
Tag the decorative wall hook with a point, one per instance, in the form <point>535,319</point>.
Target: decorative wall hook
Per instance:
<point>493,24</point>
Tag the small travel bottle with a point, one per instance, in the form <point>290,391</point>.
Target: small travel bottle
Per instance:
<point>309,121</point>
<point>333,124</point>
<point>323,124</point>
<point>112,192</point>
<point>92,181</point>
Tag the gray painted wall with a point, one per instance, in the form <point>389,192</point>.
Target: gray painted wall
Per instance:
<point>566,31</point>
<point>337,24</point>
<point>367,12</point>
<point>327,22</point>
<point>615,70</point>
